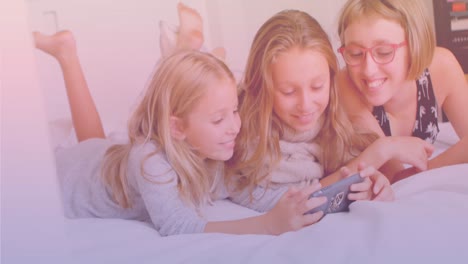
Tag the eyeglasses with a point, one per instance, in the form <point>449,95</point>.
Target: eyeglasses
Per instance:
<point>381,54</point>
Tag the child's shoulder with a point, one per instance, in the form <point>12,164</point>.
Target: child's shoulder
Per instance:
<point>443,62</point>
<point>149,155</point>
<point>142,150</point>
<point>144,147</point>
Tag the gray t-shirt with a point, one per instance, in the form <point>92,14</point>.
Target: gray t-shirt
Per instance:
<point>86,195</point>
<point>261,199</point>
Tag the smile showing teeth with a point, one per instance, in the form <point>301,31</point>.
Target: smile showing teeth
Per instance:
<point>375,84</point>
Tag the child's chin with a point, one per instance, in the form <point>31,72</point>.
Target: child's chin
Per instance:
<point>223,156</point>
<point>303,128</point>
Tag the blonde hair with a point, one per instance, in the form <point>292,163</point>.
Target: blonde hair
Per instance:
<point>175,89</point>
<point>258,140</point>
<point>411,16</point>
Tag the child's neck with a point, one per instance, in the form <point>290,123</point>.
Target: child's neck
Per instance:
<point>291,135</point>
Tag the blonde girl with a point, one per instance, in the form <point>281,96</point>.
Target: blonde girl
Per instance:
<point>294,129</point>
<point>171,166</point>
<point>396,79</point>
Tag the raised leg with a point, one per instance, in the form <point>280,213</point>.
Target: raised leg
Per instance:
<point>85,117</point>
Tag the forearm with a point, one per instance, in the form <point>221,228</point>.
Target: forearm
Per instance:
<point>391,168</point>
<point>251,225</point>
<point>353,167</point>
<point>377,155</point>
<point>330,179</point>
<point>456,154</point>
<point>380,152</point>
<point>261,199</point>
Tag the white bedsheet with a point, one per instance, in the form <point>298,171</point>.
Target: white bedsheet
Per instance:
<point>428,223</point>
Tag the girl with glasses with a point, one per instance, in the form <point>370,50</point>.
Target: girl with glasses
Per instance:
<point>396,79</point>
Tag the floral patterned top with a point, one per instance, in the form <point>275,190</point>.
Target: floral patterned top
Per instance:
<point>426,124</point>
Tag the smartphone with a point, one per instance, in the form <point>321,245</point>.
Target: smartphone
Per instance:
<point>337,195</point>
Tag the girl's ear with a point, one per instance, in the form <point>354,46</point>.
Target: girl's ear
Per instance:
<point>177,128</point>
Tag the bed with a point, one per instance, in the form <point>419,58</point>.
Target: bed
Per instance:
<point>428,223</point>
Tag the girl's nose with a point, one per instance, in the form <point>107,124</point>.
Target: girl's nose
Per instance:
<point>304,101</point>
<point>235,124</point>
<point>368,64</point>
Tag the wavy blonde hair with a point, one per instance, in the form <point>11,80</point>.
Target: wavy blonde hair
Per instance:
<point>412,17</point>
<point>177,86</point>
<point>258,140</point>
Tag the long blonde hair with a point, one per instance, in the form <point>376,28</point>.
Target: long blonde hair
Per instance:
<point>258,140</point>
<point>411,16</point>
<point>175,89</point>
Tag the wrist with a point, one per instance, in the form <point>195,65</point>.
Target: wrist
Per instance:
<point>385,149</point>
<point>266,223</point>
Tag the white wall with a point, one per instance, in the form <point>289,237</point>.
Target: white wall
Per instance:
<point>234,23</point>
<point>118,42</point>
<point>32,221</point>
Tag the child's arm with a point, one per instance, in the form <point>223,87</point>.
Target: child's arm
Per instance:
<point>409,150</point>
<point>171,215</point>
<point>451,86</point>
<point>374,187</point>
<point>287,215</point>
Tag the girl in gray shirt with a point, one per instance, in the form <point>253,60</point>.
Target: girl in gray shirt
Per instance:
<point>171,165</point>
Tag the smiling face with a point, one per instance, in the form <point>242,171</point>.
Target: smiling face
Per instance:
<point>301,80</point>
<point>212,126</point>
<point>378,83</point>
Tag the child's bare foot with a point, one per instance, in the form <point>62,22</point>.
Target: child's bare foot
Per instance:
<point>190,35</point>
<point>61,45</point>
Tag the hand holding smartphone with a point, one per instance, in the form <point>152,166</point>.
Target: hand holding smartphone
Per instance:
<point>337,195</point>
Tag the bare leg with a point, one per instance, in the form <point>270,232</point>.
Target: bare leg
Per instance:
<point>85,117</point>
<point>190,35</point>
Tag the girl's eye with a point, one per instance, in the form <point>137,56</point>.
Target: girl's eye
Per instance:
<point>383,54</point>
<point>317,87</point>
<point>287,92</point>
<point>218,121</point>
<point>354,53</point>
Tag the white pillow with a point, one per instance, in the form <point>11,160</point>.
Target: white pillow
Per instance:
<point>447,134</point>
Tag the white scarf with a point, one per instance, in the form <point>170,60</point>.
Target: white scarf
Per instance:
<point>300,158</point>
